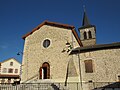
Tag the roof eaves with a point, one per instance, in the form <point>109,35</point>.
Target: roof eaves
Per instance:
<point>95,47</point>
<point>10,76</point>
<point>88,26</point>
<point>10,59</point>
<point>51,24</point>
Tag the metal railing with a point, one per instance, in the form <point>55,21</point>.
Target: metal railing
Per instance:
<point>59,86</point>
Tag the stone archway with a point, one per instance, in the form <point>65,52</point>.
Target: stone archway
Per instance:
<point>45,71</point>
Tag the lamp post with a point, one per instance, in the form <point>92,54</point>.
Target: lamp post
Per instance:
<point>20,53</point>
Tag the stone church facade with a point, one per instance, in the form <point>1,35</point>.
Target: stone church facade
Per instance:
<point>54,51</point>
<point>47,49</point>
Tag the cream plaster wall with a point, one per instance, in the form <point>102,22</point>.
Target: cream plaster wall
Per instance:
<point>6,64</point>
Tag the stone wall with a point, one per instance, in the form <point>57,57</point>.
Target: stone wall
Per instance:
<point>35,54</point>
<point>88,41</point>
<point>106,65</point>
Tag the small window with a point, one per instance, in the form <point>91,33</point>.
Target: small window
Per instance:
<point>11,63</point>
<point>88,66</point>
<point>9,80</point>
<point>90,35</point>
<point>16,70</point>
<point>46,43</point>
<point>10,70</point>
<point>85,35</point>
<point>4,70</point>
<point>3,81</point>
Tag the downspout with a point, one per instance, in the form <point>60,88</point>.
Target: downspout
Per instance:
<point>80,70</point>
<point>67,74</point>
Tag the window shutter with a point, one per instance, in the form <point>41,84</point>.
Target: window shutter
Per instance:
<point>88,66</point>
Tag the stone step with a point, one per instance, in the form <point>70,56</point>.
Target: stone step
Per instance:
<point>33,86</point>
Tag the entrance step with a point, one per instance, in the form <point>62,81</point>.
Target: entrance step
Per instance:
<point>46,84</point>
<point>41,81</point>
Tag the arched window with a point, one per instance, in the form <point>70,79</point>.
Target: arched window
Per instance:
<point>90,35</point>
<point>45,71</point>
<point>85,35</point>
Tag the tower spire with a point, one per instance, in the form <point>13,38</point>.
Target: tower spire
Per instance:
<point>85,18</point>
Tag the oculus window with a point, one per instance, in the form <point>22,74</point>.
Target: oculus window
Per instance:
<point>46,43</point>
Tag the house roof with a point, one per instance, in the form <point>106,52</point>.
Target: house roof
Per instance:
<point>10,59</point>
<point>8,76</point>
<point>56,25</point>
<point>95,48</point>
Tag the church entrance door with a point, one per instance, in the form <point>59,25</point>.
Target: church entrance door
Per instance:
<point>45,71</point>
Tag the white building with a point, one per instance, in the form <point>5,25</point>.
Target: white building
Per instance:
<point>9,71</point>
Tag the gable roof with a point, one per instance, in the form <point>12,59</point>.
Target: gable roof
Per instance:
<point>10,59</point>
<point>66,26</point>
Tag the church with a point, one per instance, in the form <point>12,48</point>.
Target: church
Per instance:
<point>54,52</point>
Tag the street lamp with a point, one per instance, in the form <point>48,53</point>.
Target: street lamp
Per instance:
<point>19,53</point>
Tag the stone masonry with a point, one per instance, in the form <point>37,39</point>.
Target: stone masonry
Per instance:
<point>35,54</point>
<point>105,65</point>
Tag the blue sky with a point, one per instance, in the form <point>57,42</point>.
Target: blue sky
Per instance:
<point>17,17</point>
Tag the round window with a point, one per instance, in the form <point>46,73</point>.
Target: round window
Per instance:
<point>46,43</point>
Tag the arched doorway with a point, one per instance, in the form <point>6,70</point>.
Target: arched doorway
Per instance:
<point>45,71</point>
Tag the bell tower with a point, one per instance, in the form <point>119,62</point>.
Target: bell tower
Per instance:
<point>87,32</point>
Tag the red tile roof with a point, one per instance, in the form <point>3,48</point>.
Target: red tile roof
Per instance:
<point>8,76</point>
